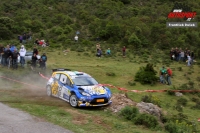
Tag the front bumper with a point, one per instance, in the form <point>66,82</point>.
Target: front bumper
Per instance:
<point>87,104</point>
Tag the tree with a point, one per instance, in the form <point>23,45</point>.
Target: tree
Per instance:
<point>134,40</point>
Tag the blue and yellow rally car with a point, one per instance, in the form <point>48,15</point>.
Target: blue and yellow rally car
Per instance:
<point>77,88</point>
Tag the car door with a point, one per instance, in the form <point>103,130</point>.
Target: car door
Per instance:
<point>64,87</point>
<point>55,84</point>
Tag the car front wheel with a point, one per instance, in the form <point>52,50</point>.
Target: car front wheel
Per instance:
<point>49,92</point>
<point>73,100</point>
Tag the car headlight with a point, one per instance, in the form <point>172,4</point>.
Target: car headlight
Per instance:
<point>85,94</point>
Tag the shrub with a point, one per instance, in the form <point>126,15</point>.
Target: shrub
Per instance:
<point>171,127</point>
<point>182,101</point>
<point>129,112</point>
<point>146,75</point>
<point>146,120</point>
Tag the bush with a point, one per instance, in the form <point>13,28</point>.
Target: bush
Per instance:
<point>171,127</point>
<point>129,112</point>
<point>182,101</point>
<point>146,120</point>
<point>146,75</point>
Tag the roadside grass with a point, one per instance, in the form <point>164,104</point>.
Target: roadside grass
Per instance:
<point>90,120</point>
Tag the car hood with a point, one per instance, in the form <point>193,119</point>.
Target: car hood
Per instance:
<point>94,90</point>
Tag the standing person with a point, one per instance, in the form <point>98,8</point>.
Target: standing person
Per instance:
<point>76,38</point>
<point>1,53</point>
<point>7,55</point>
<point>15,56</point>
<point>44,60</point>
<point>124,51</point>
<point>34,60</point>
<point>97,47</point>
<point>35,51</point>
<point>99,53</point>
<point>169,74</point>
<point>182,56</point>
<point>22,53</point>
<point>24,38</point>
<point>189,60</point>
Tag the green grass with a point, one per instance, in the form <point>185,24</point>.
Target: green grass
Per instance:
<point>96,119</point>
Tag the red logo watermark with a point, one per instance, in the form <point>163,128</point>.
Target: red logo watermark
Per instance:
<point>177,13</point>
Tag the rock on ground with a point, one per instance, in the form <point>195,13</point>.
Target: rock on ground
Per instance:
<point>119,101</point>
<point>149,108</point>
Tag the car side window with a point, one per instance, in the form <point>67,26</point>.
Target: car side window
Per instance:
<point>57,76</point>
<point>63,78</point>
<point>68,82</point>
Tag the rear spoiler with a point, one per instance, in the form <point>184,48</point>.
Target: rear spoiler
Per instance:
<point>60,69</point>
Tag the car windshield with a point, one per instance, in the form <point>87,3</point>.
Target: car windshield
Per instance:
<point>84,81</point>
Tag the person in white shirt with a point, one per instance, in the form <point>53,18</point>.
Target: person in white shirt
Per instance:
<point>189,60</point>
<point>22,53</point>
<point>76,38</point>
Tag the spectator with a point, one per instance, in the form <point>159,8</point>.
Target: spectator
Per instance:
<point>22,53</point>
<point>76,38</point>
<point>124,51</point>
<point>99,53</point>
<point>12,48</point>
<point>189,60</point>
<point>98,47</point>
<point>108,51</point>
<point>34,60</point>
<point>43,61</point>
<point>15,56</point>
<point>20,39</point>
<point>182,55</point>
<point>35,51</point>
<point>1,53</point>
<point>7,55</point>
<point>24,38</point>
<point>169,74</point>
<point>37,42</point>
<point>163,72</point>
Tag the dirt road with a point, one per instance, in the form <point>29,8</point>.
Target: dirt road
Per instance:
<point>16,121</point>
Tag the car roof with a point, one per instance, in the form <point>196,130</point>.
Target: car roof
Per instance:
<point>73,74</point>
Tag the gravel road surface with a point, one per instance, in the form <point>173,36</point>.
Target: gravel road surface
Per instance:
<point>16,121</point>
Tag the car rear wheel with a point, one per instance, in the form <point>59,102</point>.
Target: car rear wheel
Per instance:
<point>73,100</point>
<point>49,92</point>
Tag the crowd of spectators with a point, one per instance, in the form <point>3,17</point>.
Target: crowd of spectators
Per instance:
<point>10,57</point>
<point>178,54</point>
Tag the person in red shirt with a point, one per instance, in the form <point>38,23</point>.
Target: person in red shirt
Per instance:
<point>124,51</point>
<point>169,74</point>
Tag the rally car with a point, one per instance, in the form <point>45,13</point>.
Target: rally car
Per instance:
<point>78,88</point>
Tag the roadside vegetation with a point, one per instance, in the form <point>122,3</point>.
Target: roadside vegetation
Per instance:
<point>138,25</point>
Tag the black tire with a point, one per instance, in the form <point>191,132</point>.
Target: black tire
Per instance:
<point>73,101</point>
<point>49,91</point>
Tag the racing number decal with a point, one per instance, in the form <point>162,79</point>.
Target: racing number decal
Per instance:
<point>59,91</point>
<point>55,88</point>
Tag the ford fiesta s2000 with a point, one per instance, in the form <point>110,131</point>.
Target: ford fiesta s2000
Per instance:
<point>77,88</point>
